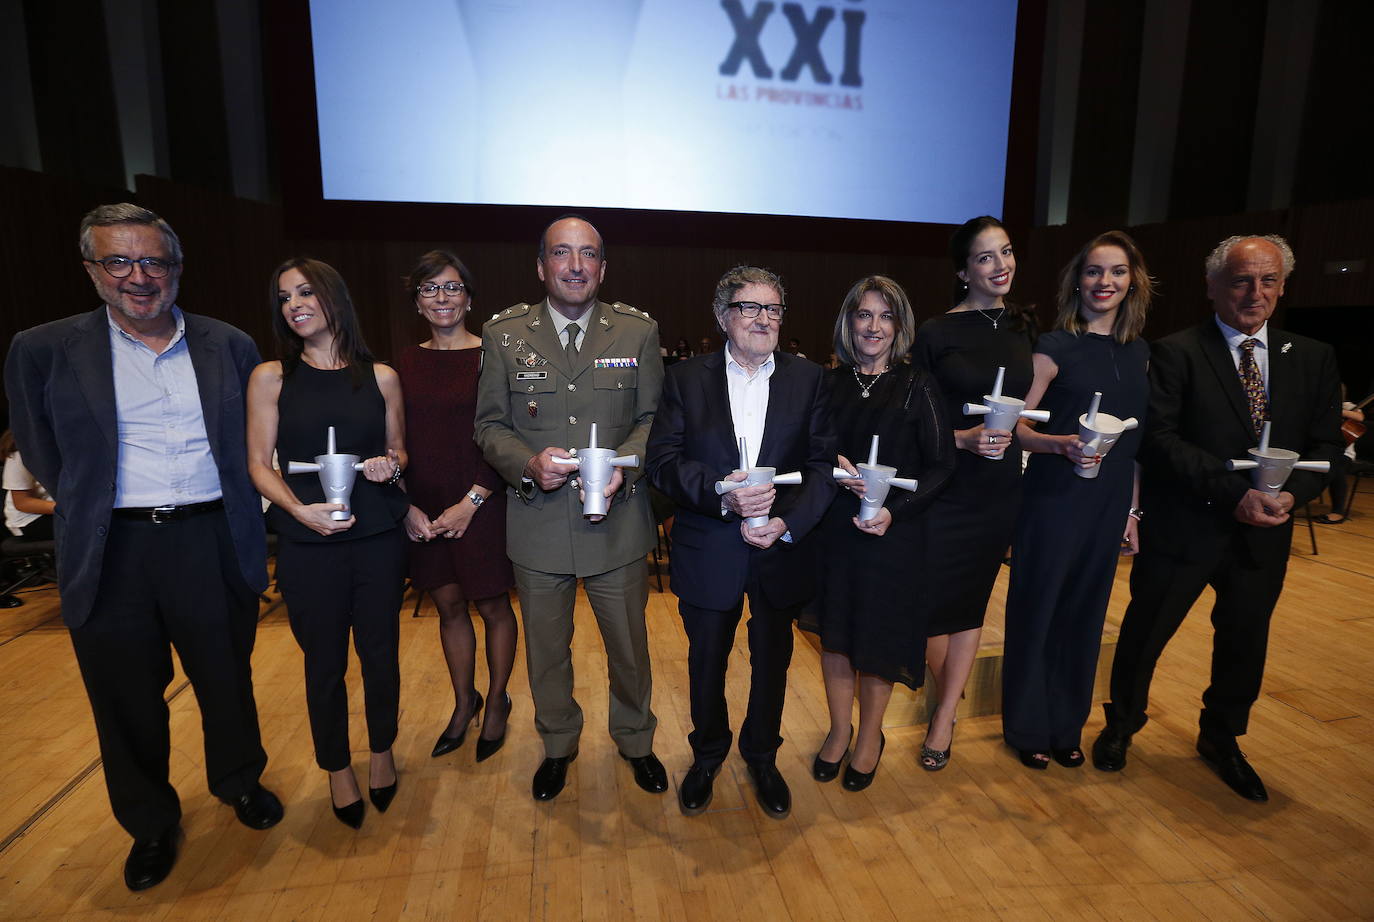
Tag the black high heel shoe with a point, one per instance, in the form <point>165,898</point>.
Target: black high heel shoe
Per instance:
<point>1037,759</point>
<point>487,748</point>
<point>824,771</point>
<point>857,781</point>
<point>350,815</point>
<point>1069,758</point>
<point>447,744</point>
<point>381,797</point>
<point>933,760</point>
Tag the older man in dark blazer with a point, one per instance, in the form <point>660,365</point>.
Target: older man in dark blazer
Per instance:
<point>132,416</point>
<point>1212,387</point>
<point>777,403</point>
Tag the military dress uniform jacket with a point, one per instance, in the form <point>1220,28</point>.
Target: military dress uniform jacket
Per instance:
<point>531,397</point>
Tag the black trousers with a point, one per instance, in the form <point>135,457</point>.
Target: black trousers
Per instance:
<point>710,639</point>
<point>1163,589</point>
<point>176,584</point>
<point>330,588</point>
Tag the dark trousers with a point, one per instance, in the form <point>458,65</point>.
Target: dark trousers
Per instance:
<point>1053,638</point>
<point>176,584</point>
<point>40,529</point>
<point>710,639</point>
<point>329,588</point>
<point>1163,589</point>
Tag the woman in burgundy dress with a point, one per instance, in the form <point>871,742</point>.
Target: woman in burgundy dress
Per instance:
<point>457,520</point>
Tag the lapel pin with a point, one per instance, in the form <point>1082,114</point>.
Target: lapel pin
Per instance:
<point>1286,347</point>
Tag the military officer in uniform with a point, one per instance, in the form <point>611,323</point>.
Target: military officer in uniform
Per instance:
<point>549,371</point>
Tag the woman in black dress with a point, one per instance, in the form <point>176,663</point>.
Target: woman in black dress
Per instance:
<point>971,521</point>
<point>1071,529</point>
<point>336,577</point>
<point>457,517</point>
<point>871,628</point>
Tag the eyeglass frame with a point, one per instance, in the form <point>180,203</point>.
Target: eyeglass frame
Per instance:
<point>142,262</point>
<point>420,289</point>
<point>758,308</point>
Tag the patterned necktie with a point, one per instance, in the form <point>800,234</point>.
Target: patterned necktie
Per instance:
<point>570,350</point>
<point>1253,383</point>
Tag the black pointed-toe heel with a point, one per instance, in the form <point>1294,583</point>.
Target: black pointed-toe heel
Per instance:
<point>487,748</point>
<point>856,780</point>
<point>351,814</point>
<point>447,744</point>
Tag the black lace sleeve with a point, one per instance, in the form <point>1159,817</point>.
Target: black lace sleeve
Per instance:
<point>925,412</point>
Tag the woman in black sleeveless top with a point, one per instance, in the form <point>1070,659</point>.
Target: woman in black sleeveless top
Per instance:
<point>335,576</point>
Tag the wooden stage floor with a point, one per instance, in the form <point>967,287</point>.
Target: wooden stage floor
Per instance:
<point>985,839</point>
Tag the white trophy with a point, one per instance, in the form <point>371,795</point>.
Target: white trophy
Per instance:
<point>594,464</point>
<point>877,478</point>
<point>1273,465</point>
<point>1003,412</point>
<point>337,473</point>
<point>757,475</point>
<point>1100,431</point>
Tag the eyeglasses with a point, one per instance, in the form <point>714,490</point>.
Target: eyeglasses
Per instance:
<point>429,291</point>
<point>751,309</point>
<point>122,266</point>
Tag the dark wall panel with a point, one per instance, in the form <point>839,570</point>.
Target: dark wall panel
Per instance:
<point>1216,123</point>
<point>1333,164</point>
<point>197,127</point>
<point>74,105</point>
<point>1104,133</point>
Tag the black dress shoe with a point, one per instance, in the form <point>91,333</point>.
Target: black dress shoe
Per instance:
<point>824,771</point>
<point>1109,750</point>
<point>258,809</point>
<point>694,796</point>
<point>649,772</point>
<point>487,748</point>
<point>551,776</point>
<point>447,744</point>
<point>350,814</point>
<point>1229,762</point>
<point>771,790</point>
<point>1069,758</point>
<point>151,860</point>
<point>857,781</point>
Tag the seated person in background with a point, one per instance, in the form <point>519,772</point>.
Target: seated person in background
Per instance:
<point>28,510</point>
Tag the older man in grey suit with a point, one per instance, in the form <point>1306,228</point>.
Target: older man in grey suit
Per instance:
<point>132,416</point>
<point>549,371</point>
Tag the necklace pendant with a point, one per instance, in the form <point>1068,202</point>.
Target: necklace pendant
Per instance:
<point>865,393</point>
<point>994,324</point>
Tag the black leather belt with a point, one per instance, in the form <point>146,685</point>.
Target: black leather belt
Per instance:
<point>161,515</point>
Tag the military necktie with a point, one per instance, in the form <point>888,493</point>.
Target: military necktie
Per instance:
<point>1253,383</point>
<point>570,350</point>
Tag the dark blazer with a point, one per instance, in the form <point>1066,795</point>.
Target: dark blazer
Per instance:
<point>692,445</point>
<point>1199,419</point>
<point>60,382</point>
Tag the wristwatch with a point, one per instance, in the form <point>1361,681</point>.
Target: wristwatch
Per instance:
<point>477,498</point>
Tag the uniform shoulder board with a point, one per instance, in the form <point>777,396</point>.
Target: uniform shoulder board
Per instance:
<point>620,307</point>
<point>515,310</point>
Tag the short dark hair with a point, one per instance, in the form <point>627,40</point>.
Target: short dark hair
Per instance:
<point>125,213</point>
<point>543,235</point>
<point>332,293</point>
<point>434,262</point>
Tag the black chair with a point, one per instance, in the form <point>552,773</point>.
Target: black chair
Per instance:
<point>26,563</point>
<point>1360,468</point>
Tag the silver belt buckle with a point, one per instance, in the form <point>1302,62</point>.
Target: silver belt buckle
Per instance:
<point>160,511</point>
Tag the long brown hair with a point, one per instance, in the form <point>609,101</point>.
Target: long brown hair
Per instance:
<point>332,293</point>
<point>1131,316</point>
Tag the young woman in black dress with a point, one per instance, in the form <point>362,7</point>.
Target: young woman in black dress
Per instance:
<point>336,577</point>
<point>972,519</point>
<point>871,626</point>
<point>1071,528</point>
